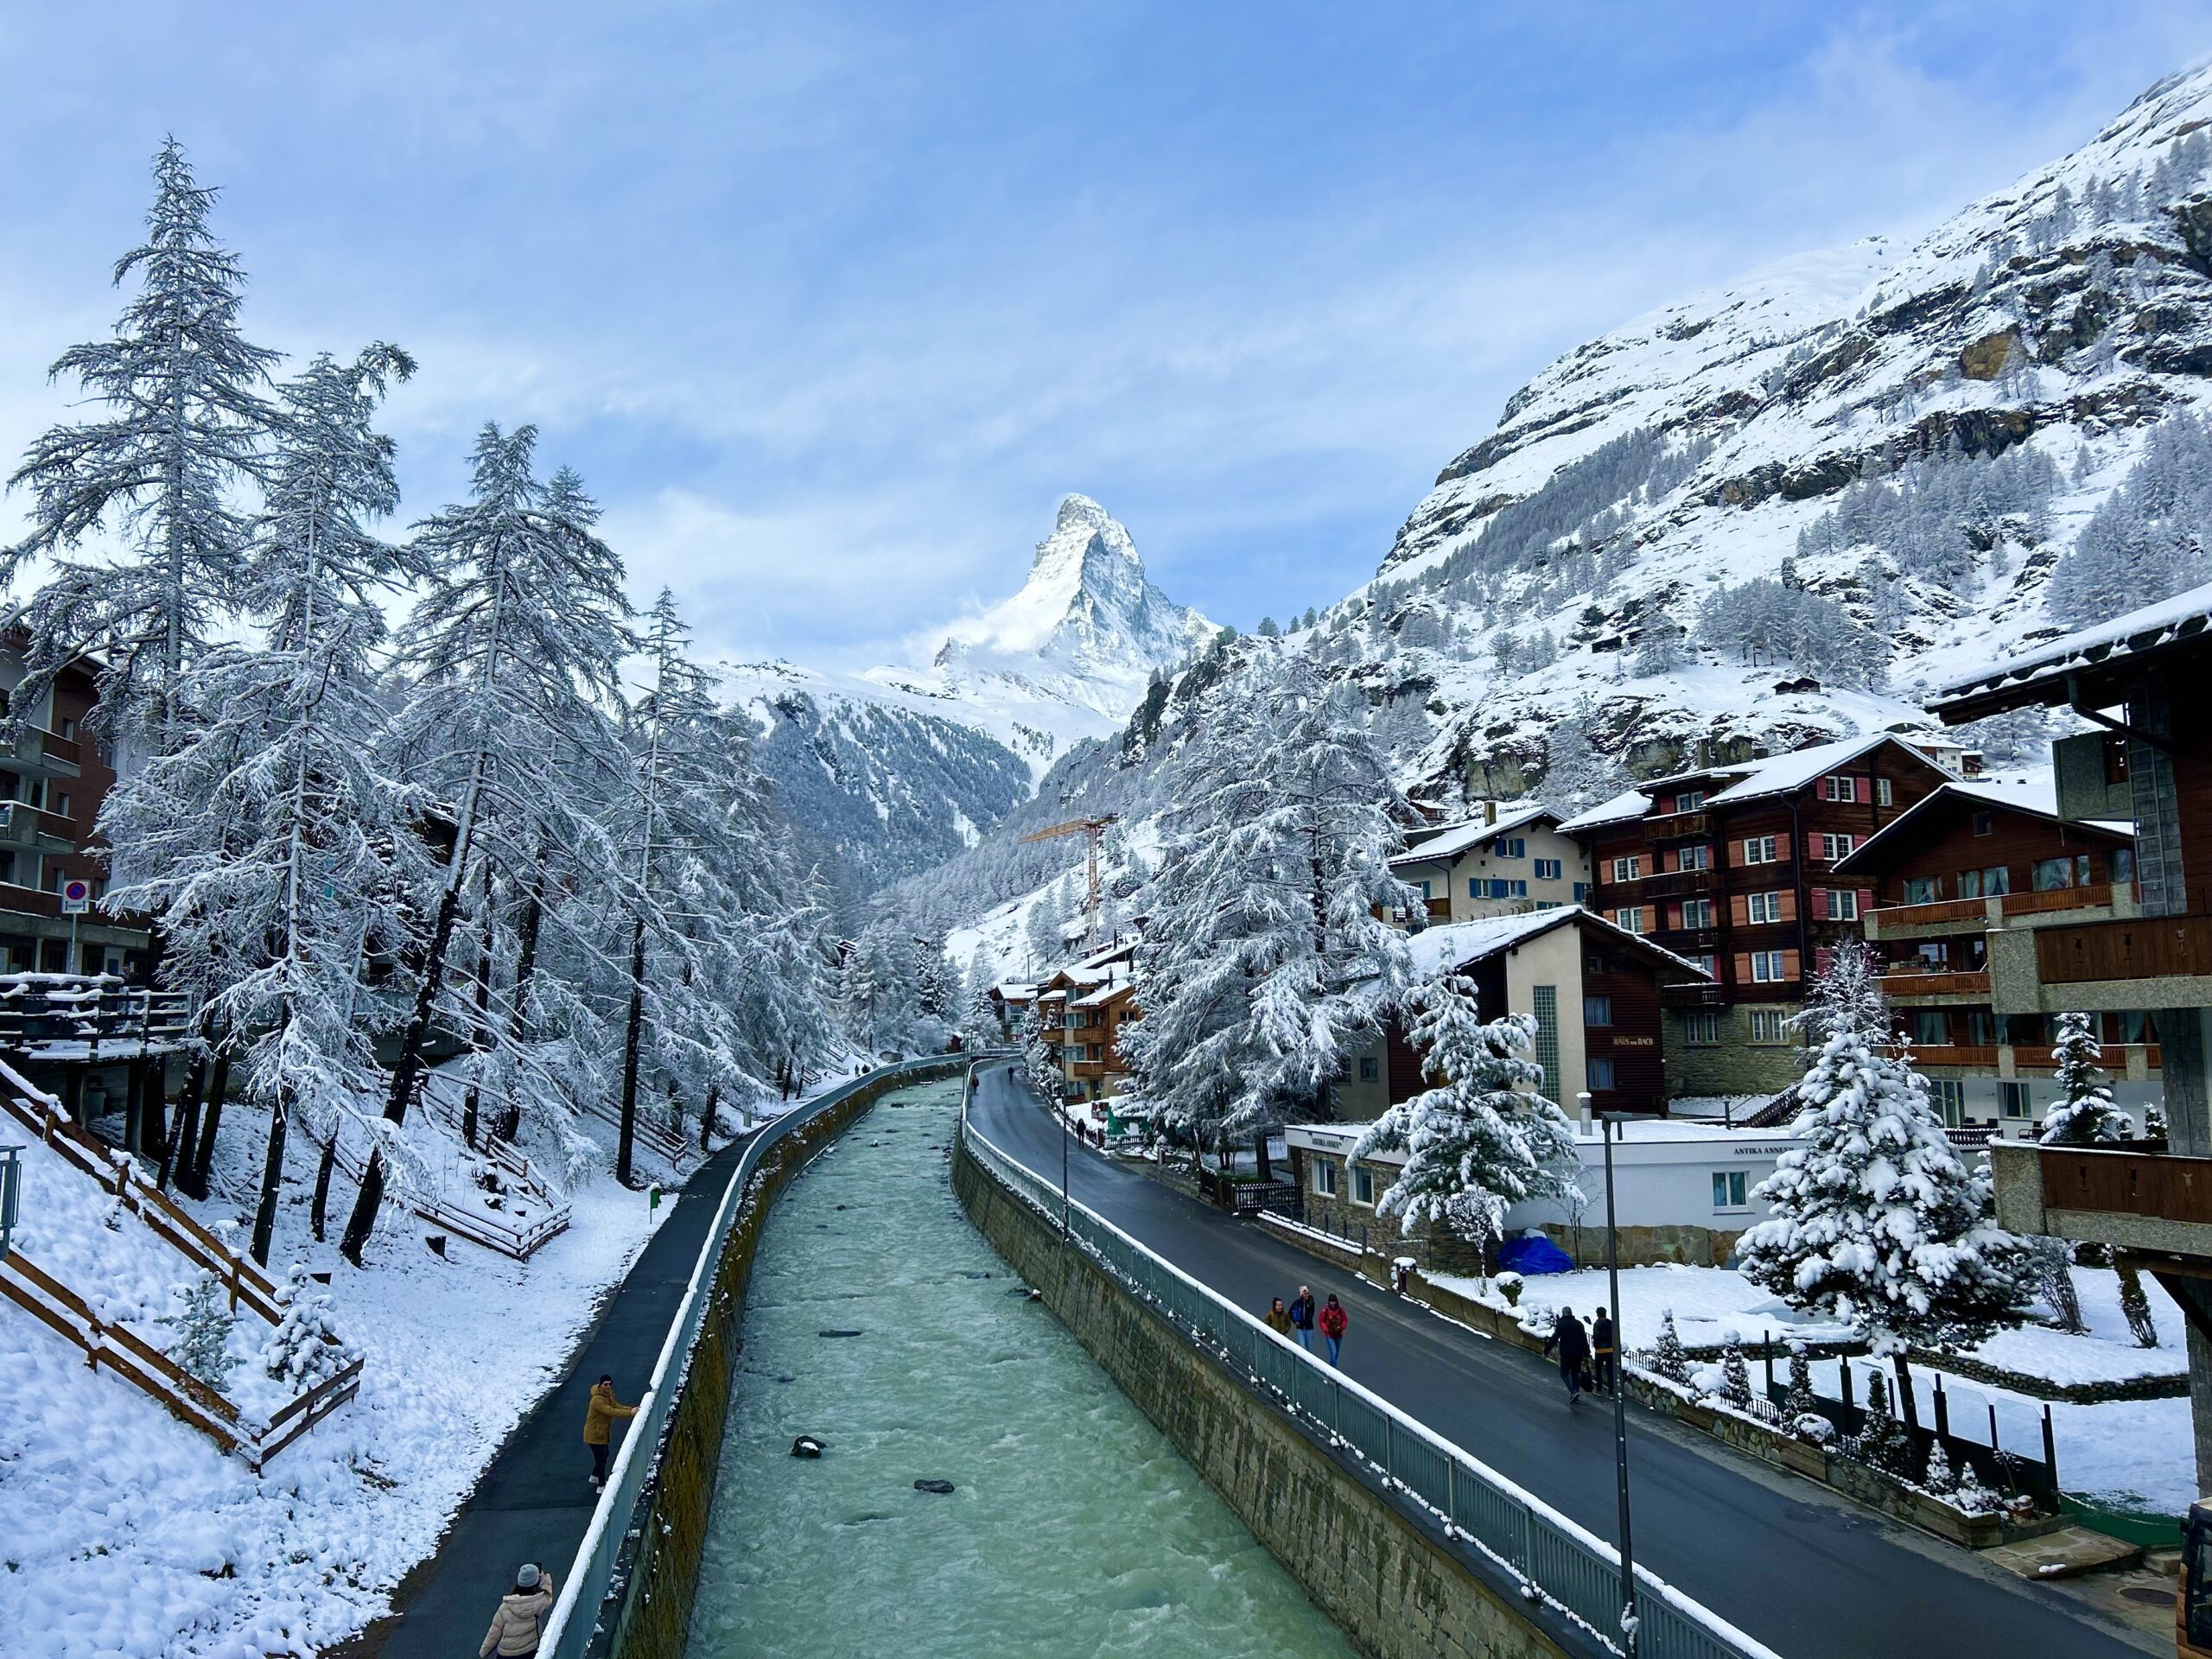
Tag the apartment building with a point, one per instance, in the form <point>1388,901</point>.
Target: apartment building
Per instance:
<point>1500,863</point>
<point>1980,855</point>
<point>1733,868</point>
<point>2141,679</point>
<point>1084,1008</point>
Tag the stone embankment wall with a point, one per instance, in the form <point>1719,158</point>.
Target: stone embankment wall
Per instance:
<point>1392,1583</point>
<point>659,1575</point>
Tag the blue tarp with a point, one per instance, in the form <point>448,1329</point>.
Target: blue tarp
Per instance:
<point>1533,1255</point>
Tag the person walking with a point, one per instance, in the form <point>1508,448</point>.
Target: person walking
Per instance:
<point>1333,1320</point>
<point>513,1634</point>
<point>1605,1349</point>
<point>599,1425</point>
<point>1279,1319</point>
<point>1301,1318</point>
<point>1573,1345</point>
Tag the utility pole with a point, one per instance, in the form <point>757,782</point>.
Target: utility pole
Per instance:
<point>1628,1619</point>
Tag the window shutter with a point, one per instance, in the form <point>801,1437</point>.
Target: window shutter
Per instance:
<point>1739,910</point>
<point>1674,915</point>
<point>1820,904</point>
<point>1789,964</point>
<point>1735,855</point>
<point>1812,843</point>
<point>1742,967</point>
<point>1823,957</point>
<point>1782,845</point>
<point>1865,786</point>
<point>1789,905</point>
<point>1865,901</point>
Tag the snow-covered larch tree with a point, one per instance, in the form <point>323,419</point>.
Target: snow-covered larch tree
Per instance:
<point>1484,1138</point>
<point>979,1022</point>
<point>514,651</point>
<point>2085,1114</point>
<point>1264,962</point>
<point>1876,1221</point>
<point>181,420</point>
<point>265,838</point>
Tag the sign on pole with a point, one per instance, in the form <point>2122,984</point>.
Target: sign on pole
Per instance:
<point>76,898</point>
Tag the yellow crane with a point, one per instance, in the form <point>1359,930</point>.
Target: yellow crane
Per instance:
<point>1091,829</point>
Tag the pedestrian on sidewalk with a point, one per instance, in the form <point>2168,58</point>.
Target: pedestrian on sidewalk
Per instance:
<point>1279,1319</point>
<point>1573,1345</point>
<point>513,1634</point>
<point>1301,1318</point>
<point>1333,1319</point>
<point>1605,1351</point>
<point>599,1425</point>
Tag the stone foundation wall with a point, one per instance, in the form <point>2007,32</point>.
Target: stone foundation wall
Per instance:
<point>1393,1586</point>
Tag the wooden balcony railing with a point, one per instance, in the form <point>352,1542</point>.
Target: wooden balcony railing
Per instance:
<point>1894,918</point>
<point>1975,1056</point>
<point>2096,896</point>
<point>2156,1184</point>
<point>1439,908</point>
<point>1905,986</point>
<point>2146,947</point>
<point>1676,826</point>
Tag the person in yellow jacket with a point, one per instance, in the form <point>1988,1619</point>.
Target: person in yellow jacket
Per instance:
<point>599,1425</point>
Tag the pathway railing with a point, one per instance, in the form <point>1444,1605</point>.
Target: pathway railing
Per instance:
<point>1564,1564</point>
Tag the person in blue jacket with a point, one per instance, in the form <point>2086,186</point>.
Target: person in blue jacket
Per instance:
<point>1301,1318</point>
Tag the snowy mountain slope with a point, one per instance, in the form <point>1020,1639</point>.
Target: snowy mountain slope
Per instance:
<point>897,769</point>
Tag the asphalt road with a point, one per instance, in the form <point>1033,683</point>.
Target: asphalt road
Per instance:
<point>1810,1575</point>
<point>534,1502</point>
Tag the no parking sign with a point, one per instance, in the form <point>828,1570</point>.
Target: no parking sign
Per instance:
<point>76,898</point>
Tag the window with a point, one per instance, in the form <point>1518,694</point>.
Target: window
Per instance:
<point>1760,907</point>
<point>1758,849</point>
<point>2135,1028</point>
<point>1994,882</point>
<point>62,804</point>
<point>1510,847</point>
<point>1371,1069</point>
<point>1981,1028</point>
<point>1547,904</point>
<point>1630,920</point>
<point>1362,1185</point>
<point>2015,1100</point>
<point>1885,794</point>
<point>1922,889</point>
<point>1767,968</point>
<point>1695,857</point>
<point>1596,1010</point>
<point>2116,759</point>
<point>1835,846</point>
<point>2053,873</point>
<point>1701,1029</point>
<point>8,867</point>
<point>1732,1189</point>
<point>1985,823</point>
<point>69,729</point>
<point>1599,1070</point>
<point>1837,788</point>
<point>1627,869</point>
<point>1697,913</point>
<point>1423,886</point>
<point>1770,1026</point>
<point>1950,1100</point>
<point>2120,865</point>
<point>1706,963</point>
<point>1581,891</point>
<point>1930,1027</point>
<point>1689,800</point>
<point>1548,869</point>
<point>1325,1178</point>
<point>1506,889</point>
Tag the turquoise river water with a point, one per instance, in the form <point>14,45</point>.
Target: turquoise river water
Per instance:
<point>1073,1527</point>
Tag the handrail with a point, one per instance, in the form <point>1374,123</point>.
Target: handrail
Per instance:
<point>567,1632</point>
<point>1553,1557</point>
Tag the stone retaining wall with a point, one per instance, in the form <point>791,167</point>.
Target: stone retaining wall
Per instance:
<point>1393,1585</point>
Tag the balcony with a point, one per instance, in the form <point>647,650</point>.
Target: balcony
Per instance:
<point>1691,993</point>
<point>1945,916</point>
<point>2140,962</point>
<point>23,825</point>
<point>1931,988</point>
<point>1954,1057</point>
<point>48,754</point>
<point>2155,1202</point>
<point>1677,826</point>
<point>1672,884</point>
<point>1440,909</point>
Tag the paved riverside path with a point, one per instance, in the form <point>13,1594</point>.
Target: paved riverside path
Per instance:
<point>533,1500</point>
<point>1809,1574</point>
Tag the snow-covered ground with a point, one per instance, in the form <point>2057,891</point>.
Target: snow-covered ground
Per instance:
<point>129,1534</point>
<point>1710,1305</point>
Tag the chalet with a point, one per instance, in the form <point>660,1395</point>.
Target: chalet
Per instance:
<point>1502,863</point>
<point>1732,867</point>
<point>1593,990</point>
<point>1967,858</point>
<point>2140,679</point>
<point>1083,1008</point>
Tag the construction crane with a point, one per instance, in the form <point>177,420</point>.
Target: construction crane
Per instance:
<point>1091,830</point>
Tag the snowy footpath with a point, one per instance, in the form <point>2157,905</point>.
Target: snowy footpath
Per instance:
<point>128,1535</point>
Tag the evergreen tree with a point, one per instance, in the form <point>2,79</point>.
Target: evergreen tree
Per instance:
<point>1668,1359</point>
<point>1876,1222</point>
<point>305,1349</point>
<point>2154,1122</point>
<point>1735,1377</point>
<point>2135,1304</point>
<point>1800,1402</point>
<point>201,1348</point>
<point>1039,1058</point>
<point>1882,1442</point>
<point>1484,1138</point>
<point>1264,962</point>
<point>1939,1478</point>
<point>1578,773</point>
<point>2084,1115</point>
<point>2050,1263</point>
<point>979,1025</point>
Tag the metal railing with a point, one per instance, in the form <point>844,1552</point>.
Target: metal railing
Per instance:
<point>1555,1560</point>
<point>570,1626</point>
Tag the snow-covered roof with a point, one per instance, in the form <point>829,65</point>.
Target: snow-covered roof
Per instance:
<point>1628,804</point>
<point>1785,774</point>
<point>2033,676</point>
<point>1454,839</point>
<point>2040,799</point>
<point>1105,992</point>
<point>1452,944</point>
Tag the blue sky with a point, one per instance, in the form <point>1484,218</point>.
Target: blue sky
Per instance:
<point>830,303</point>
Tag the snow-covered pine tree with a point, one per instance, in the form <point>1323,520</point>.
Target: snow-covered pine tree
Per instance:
<point>1881,1442</point>
<point>1735,1377</point>
<point>1800,1402</point>
<point>979,1023</point>
<point>1876,1222</point>
<point>180,389</point>
<point>1263,960</point>
<point>1667,1356</point>
<point>2084,1115</point>
<point>2154,1121</point>
<point>1939,1478</point>
<point>2050,1265</point>
<point>264,837</point>
<point>1484,1138</point>
<point>305,1348</point>
<point>514,652</point>
<point>2135,1304</point>
<point>203,1331</point>
<point>1039,1058</point>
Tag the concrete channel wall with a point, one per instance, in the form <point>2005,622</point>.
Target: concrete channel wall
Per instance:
<point>1391,1584</point>
<point>647,1612</point>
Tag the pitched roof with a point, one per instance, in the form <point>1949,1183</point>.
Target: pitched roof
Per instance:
<point>2039,675</point>
<point>1450,945</point>
<point>2039,800</point>
<point>1628,804</point>
<point>1785,774</point>
<point>1454,839</point>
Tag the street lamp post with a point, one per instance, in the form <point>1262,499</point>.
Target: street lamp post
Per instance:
<point>1629,1621</point>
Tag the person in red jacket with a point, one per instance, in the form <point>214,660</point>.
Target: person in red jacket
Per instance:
<point>1332,1321</point>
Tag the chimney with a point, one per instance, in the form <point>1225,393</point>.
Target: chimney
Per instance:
<point>1490,811</point>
